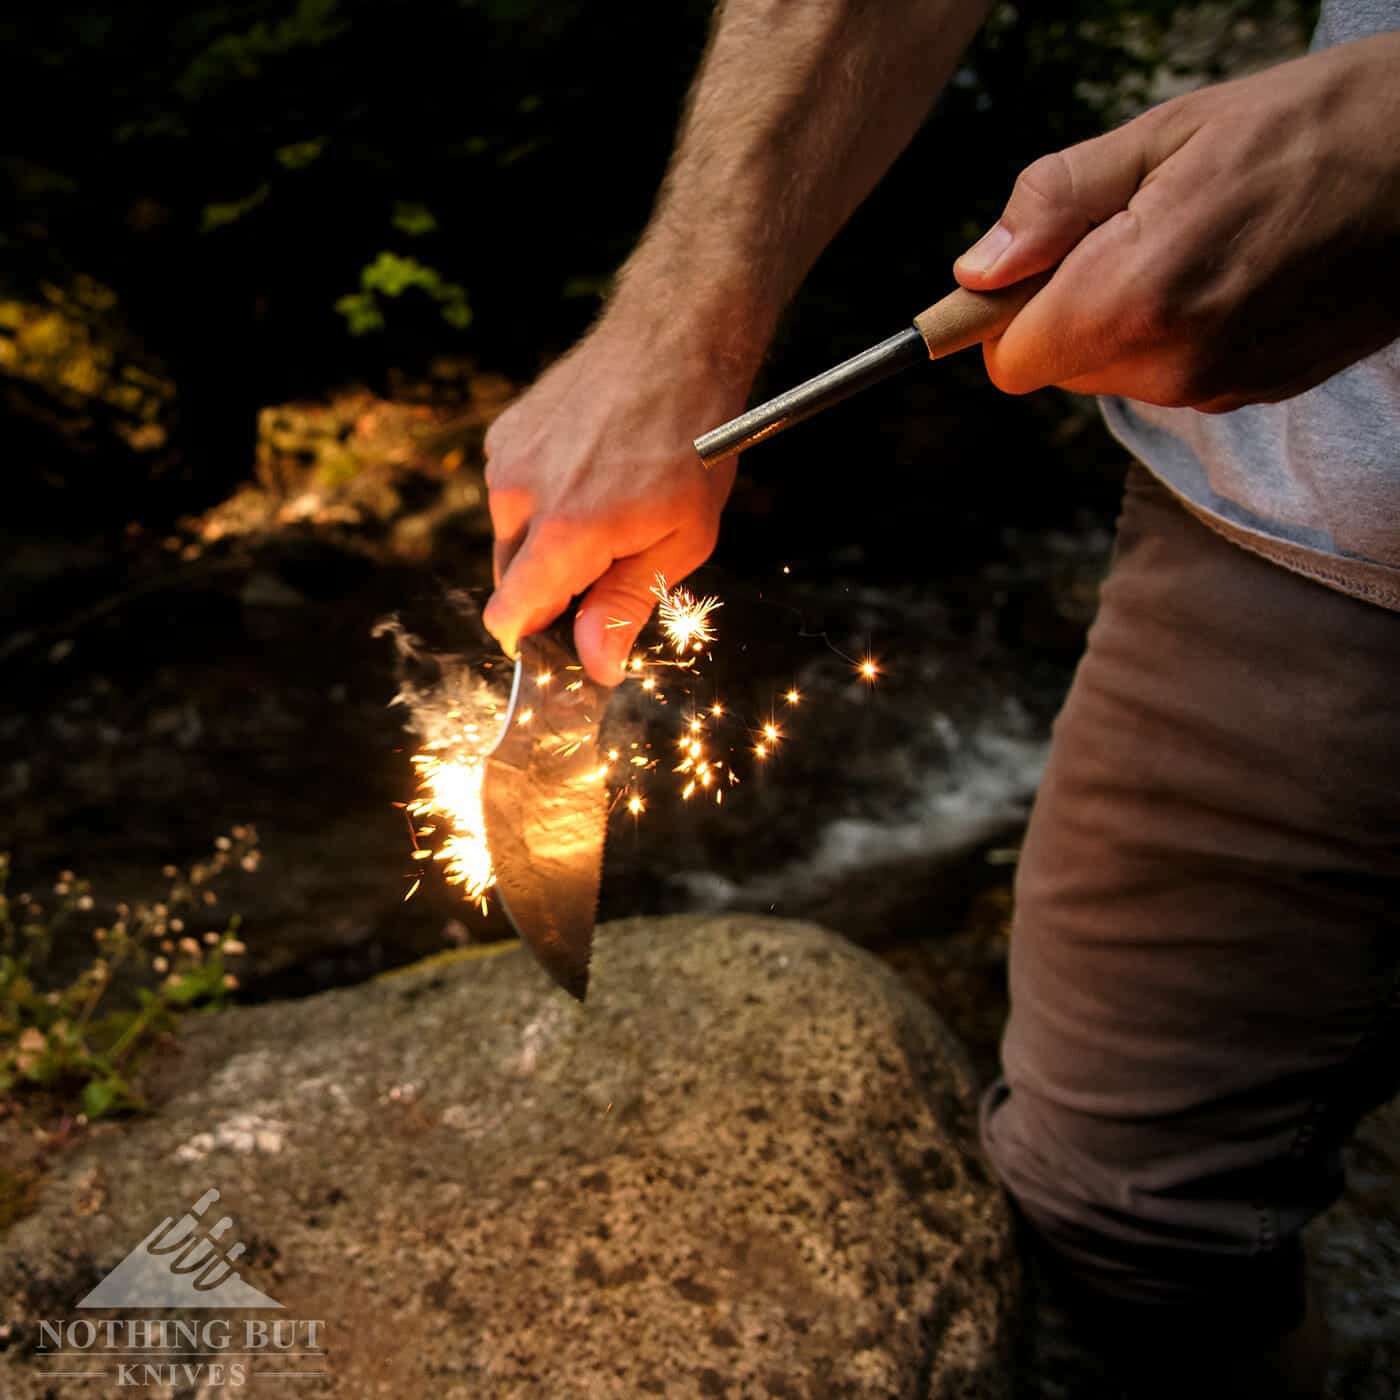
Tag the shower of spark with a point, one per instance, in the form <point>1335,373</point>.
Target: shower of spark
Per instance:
<point>684,618</point>
<point>457,722</point>
<point>451,789</point>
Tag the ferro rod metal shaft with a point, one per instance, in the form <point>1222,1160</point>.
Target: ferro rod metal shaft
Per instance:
<point>830,387</point>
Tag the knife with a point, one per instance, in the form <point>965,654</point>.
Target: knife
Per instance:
<point>545,797</point>
<point>961,319</point>
<point>545,804</point>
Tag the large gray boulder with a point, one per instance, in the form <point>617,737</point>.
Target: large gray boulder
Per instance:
<point>745,1168</point>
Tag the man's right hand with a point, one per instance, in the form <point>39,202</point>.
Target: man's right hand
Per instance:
<point>595,487</point>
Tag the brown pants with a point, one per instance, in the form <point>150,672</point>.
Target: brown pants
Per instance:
<point>1207,935</point>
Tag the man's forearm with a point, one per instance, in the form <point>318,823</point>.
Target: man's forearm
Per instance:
<point>799,107</point>
<point>594,486</point>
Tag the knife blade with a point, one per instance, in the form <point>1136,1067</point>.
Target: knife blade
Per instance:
<point>544,799</point>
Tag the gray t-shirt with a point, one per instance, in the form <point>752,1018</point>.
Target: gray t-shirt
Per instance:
<point>1312,483</point>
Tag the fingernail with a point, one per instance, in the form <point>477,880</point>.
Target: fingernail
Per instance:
<point>984,255</point>
<point>504,640</point>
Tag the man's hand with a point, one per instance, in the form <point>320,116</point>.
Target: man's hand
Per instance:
<point>595,486</point>
<point>1236,245</point>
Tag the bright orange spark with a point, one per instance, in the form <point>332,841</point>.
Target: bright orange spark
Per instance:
<point>684,617</point>
<point>867,669</point>
<point>792,697</point>
<point>452,790</point>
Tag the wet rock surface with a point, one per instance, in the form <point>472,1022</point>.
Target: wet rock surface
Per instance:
<point>745,1168</point>
<point>164,690</point>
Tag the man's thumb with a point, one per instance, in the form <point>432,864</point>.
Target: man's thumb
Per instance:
<point>609,618</point>
<point>1055,202</point>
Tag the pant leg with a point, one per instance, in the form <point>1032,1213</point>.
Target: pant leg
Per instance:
<point>1207,932</point>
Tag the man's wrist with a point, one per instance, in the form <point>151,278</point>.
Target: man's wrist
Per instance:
<point>716,316</point>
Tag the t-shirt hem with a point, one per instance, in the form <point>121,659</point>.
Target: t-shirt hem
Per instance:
<point>1360,578</point>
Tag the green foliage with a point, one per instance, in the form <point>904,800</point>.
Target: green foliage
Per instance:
<point>241,55</point>
<point>298,154</point>
<point>217,215</point>
<point>66,340</point>
<point>77,1037</point>
<point>231,167</point>
<point>391,275</point>
<point>414,219</point>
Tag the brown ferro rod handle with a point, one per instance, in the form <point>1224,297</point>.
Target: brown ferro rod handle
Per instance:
<point>961,319</point>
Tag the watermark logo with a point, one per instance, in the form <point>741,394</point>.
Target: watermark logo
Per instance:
<point>189,1263</point>
<point>181,1265</point>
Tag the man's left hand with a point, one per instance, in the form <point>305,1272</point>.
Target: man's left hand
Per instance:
<point>1236,245</point>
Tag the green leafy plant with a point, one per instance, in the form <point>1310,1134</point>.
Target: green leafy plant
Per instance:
<point>77,1036</point>
<point>391,275</point>
<point>231,172</point>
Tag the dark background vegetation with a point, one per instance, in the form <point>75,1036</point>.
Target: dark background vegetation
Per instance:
<point>261,201</point>
<point>267,269</point>
<point>383,216</point>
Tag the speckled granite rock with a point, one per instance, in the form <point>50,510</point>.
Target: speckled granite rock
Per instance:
<point>743,1169</point>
